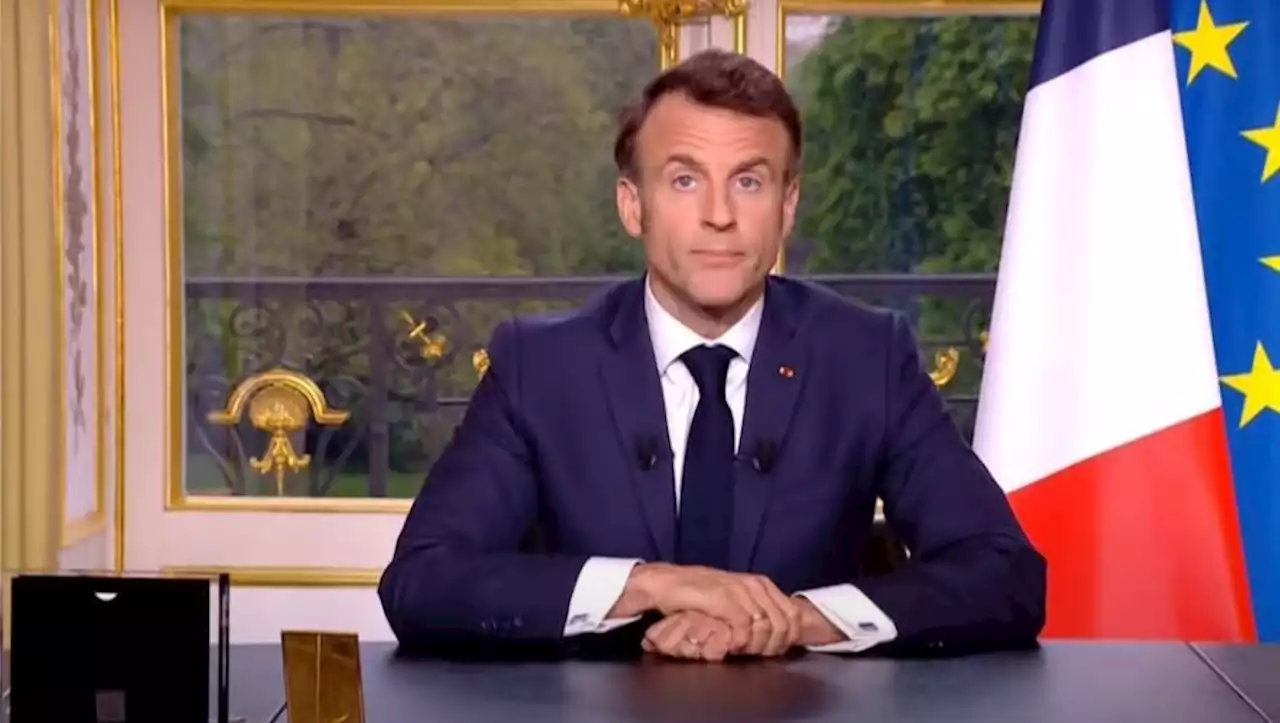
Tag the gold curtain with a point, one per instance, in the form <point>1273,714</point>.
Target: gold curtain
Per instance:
<point>29,413</point>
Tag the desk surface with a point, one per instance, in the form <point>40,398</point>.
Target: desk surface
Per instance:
<point>1254,670</point>
<point>1066,682</point>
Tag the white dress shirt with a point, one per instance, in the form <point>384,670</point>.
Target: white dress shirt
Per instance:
<point>602,579</point>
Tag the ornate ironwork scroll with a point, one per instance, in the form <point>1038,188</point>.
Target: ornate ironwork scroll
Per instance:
<point>402,358</point>
<point>280,402</point>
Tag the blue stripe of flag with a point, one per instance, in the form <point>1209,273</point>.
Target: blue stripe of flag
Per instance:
<point>1072,32</point>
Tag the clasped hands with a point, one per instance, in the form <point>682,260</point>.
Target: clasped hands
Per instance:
<point>710,614</point>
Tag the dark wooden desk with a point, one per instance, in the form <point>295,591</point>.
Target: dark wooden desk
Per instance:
<point>1253,670</point>
<point>1063,682</point>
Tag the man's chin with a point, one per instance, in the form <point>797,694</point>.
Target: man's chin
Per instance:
<point>720,301</point>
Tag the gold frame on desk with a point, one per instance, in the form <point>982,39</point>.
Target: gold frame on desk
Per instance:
<point>322,677</point>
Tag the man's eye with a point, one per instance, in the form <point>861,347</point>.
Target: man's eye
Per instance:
<point>750,183</point>
<point>683,181</point>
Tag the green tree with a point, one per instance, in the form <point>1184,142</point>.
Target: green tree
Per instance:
<point>911,126</point>
<point>401,147</point>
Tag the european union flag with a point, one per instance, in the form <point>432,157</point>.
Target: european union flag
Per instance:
<point>1228,59</point>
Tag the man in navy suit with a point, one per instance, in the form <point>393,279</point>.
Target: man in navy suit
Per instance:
<point>702,448</point>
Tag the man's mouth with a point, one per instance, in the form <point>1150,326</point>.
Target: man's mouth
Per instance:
<point>716,257</point>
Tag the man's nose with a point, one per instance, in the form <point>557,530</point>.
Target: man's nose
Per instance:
<point>717,210</point>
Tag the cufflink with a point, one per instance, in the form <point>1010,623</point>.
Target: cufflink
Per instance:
<point>868,627</point>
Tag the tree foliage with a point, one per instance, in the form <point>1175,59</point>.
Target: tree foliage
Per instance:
<point>404,146</point>
<point>911,127</point>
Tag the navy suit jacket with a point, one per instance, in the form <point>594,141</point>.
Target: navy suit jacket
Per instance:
<point>557,438</point>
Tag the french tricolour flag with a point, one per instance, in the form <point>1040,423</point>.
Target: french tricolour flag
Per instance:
<point>1100,408</point>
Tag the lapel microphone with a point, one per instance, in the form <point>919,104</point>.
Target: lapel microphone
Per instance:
<point>646,453</point>
<point>762,458</point>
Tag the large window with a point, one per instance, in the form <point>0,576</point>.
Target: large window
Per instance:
<point>358,199</point>
<point>362,198</point>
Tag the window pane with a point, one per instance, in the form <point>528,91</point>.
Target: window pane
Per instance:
<point>911,125</point>
<point>348,186</point>
<point>910,131</point>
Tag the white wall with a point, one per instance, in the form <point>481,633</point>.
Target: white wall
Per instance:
<point>258,614</point>
<point>94,553</point>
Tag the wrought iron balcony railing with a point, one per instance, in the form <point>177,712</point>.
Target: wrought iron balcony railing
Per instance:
<point>395,359</point>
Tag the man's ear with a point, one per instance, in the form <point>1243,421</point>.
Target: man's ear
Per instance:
<point>630,207</point>
<point>790,201</point>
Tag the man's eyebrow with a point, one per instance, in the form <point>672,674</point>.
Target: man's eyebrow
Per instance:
<point>686,160</point>
<point>753,163</point>
<point>683,159</point>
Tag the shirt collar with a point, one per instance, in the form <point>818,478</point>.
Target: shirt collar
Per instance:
<point>671,338</point>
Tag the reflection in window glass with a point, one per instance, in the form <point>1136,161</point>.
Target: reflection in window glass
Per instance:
<point>348,185</point>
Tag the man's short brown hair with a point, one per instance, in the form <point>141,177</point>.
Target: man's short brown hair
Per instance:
<point>718,79</point>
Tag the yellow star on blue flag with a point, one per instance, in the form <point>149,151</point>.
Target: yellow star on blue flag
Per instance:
<point>1231,113</point>
<point>1208,43</point>
<point>1260,386</point>
<point>1268,137</point>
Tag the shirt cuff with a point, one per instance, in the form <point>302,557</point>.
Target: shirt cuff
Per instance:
<point>852,613</point>
<point>600,584</point>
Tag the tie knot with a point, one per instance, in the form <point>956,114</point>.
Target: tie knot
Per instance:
<point>709,366</point>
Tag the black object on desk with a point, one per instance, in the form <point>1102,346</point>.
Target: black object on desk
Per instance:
<point>101,649</point>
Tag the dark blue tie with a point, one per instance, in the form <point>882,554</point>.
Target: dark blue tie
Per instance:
<point>706,489</point>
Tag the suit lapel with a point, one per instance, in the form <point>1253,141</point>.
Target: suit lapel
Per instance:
<point>777,375</point>
<point>634,391</point>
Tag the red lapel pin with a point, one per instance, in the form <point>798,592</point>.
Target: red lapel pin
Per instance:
<point>786,372</point>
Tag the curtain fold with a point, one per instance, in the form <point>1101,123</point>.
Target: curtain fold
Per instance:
<point>30,413</point>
